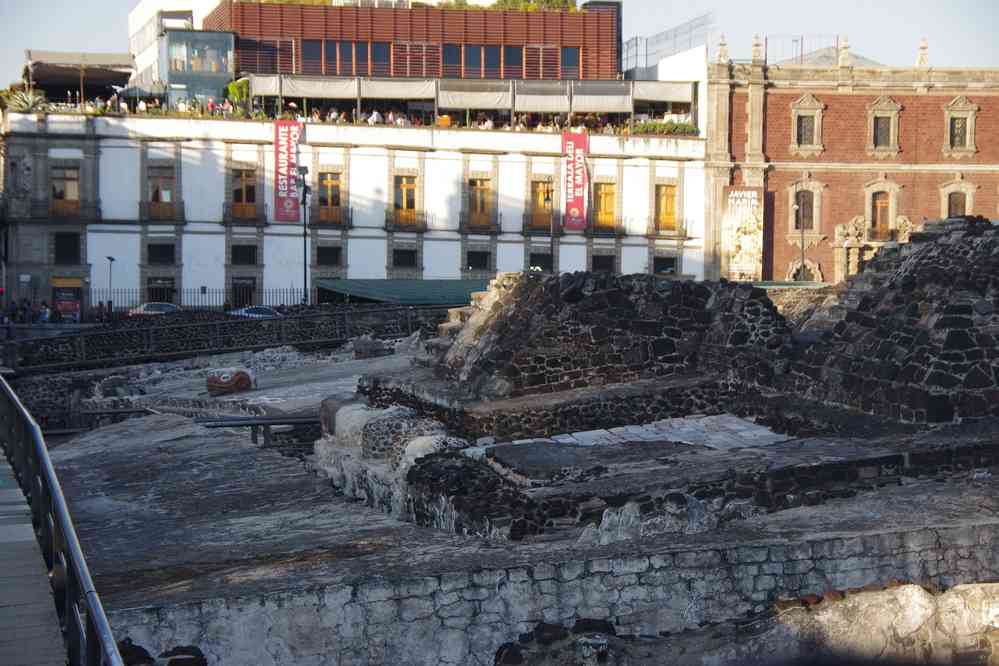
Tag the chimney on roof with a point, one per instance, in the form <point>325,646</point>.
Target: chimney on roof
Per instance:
<point>722,50</point>
<point>923,55</point>
<point>843,58</point>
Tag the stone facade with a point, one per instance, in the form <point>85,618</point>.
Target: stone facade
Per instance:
<point>754,142</point>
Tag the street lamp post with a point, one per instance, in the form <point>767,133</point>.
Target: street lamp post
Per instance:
<point>553,224</point>
<point>304,190</point>
<point>801,229</point>
<point>110,293</point>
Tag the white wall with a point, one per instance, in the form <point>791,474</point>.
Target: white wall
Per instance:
<point>203,255</point>
<point>634,259</point>
<point>690,65</point>
<point>572,256</point>
<point>283,257</point>
<point>442,189</point>
<point>119,180</point>
<point>368,180</point>
<point>203,178</point>
<point>693,213</point>
<point>441,259</point>
<point>368,258</point>
<point>118,242</point>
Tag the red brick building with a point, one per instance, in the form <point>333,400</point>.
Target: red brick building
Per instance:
<point>422,41</point>
<point>842,160</point>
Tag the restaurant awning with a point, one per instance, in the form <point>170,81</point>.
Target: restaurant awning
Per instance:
<point>407,292</point>
<point>663,91</point>
<point>60,70</point>
<point>601,97</point>
<point>397,88</point>
<point>541,97</point>
<point>319,87</point>
<point>458,94</point>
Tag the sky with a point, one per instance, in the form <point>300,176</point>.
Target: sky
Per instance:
<point>960,32</point>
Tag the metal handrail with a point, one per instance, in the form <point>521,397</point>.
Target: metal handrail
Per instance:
<point>89,640</point>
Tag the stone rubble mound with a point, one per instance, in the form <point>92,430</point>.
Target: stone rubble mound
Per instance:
<point>915,337</point>
<point>542,334</point>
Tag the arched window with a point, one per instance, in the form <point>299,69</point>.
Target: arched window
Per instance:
<point>957,204</point>
<point>805,215</point>
<point>880,225</point>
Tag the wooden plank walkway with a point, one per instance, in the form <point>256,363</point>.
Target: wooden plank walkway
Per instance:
<point>29,626</point>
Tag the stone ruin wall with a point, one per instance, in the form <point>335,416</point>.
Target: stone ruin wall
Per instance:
<point>916,337</point>
<point>465,618</point>
<point>537,335</point>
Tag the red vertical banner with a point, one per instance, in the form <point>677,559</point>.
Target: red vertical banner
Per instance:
<point>575,145</point>
<point>286,137</point>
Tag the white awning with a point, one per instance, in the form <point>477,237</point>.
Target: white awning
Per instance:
<point>473,94</point>
<point>601,97</point>
<point>397,88</point>
<point>263,85</point>
<point>541,97</point>
<point>319,87</point>
<point>664,91</point>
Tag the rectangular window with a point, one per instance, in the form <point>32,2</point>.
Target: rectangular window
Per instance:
<point>605,203</point>
<point>479,202</point>
<point>513,62</point>
<point>664,265</point>
<point>478,260</point>
<point>958,132</point>
<point>602,263</point>
<point>880,227</point>
<point>473,61</point>
<point>244,255</point>
<point>541,205</point>
<point>404,258</point>
<point>67,249</point>
<point>66,191</point>
<point>346,59</point>
<point>329,255</point>
<point>540,261</point>
<point>882,132</point>
<point>805,213</point>
<point>451,60</point>
<point>330,202</point>
<point>665,207</point>
<point>380,58</point>
<point>161,254</point>
<point>361,58</point>
<point>161,184</point>
<point>570,62</point>
<point>312,56</point>
<point>405,200</point>
<point>244,291</point>
<point>160,290</point>
<point>956,204</point>
<point>806,130</point>
<point>244,194</point>
<point>329,55</point>
<point>491,56</point>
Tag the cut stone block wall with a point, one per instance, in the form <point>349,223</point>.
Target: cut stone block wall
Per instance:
<point>463,617</point>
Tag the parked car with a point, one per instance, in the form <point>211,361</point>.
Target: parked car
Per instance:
<point>256,312</point>
<point>153,309</point>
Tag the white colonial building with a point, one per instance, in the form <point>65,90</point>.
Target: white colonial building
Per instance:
<point>187,205</point>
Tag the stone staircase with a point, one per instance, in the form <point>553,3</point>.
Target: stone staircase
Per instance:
<point>437,347</point>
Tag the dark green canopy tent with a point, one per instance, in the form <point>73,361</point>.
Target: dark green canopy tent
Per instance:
<point>407,292</point>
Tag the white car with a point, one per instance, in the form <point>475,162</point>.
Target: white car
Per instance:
<point>153,309</point>
<point>256,312</point>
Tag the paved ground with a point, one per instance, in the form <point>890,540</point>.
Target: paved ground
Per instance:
<point>175,513</point>
<point>29,627</point>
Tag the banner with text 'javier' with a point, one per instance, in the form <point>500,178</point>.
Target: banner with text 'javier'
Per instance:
<point>575,146</point>
<point>286,137</point>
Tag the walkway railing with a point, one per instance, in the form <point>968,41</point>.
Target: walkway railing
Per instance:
<point>119,346</point>
<point>89,640</point>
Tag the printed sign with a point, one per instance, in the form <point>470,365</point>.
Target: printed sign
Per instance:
<point>286,136</point>
<point>67,302</point>
<point>742,233</point>
<point>574,148</point>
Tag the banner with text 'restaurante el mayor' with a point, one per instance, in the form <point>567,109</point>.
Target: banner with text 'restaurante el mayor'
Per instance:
<point>286,136</point>
<point>574,148</point>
